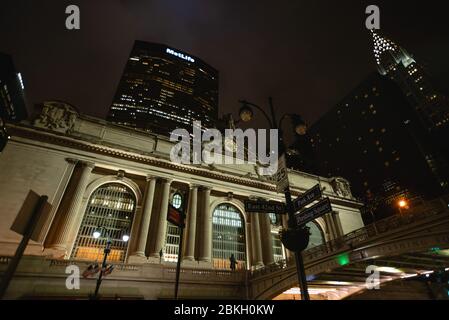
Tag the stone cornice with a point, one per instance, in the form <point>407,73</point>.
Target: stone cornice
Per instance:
<point>67,141</point>
<point>56,138</point>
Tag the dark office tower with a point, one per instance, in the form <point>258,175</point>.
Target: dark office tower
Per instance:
<point>12,96</point>
<point>397,64</point>
<point>162,89</point>
<point>300,155</point>
<point>373,138</point>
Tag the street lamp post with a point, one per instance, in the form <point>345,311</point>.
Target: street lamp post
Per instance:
<point>246,115</point>
<point>97,233</point>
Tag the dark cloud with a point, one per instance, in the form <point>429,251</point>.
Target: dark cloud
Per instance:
<point>306,54</point>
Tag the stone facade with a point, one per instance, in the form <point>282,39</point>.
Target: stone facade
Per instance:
<point>68,160</point>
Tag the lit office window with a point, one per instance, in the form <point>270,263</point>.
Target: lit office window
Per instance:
<point>111,206</point>
<point>228,237</point>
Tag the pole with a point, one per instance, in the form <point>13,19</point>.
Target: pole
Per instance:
<point>178,265</point>
<point>12,266</point>
<point>302,280</point>
<point>107,249</point>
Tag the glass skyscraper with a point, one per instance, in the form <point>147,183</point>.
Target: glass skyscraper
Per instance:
<point>163,88</point>
<point>13,106</point>
<point>386,136</point>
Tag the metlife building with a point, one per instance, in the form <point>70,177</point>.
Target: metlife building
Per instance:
<point>163,88</point>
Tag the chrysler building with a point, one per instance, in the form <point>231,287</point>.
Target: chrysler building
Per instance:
<point>396,63</point>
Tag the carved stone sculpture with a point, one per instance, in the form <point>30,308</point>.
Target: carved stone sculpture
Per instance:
<point>58,116</point>
<point>342,187</point>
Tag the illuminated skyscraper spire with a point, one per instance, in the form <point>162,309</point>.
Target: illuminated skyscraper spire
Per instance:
<point>397,64</point>
<point>388,54</point>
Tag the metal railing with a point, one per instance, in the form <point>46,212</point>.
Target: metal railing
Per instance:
<point>149,271</point>
<point>419,213</point>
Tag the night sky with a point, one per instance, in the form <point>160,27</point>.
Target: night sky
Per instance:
<point>307,54</point>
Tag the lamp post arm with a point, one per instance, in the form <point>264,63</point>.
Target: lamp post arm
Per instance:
<point>283,118</point>
<point>270,121</point>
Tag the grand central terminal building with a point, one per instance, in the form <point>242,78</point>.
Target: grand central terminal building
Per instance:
<point>98,174</point>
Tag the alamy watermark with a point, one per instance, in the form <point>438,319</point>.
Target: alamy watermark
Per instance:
<point>73,20</point>
<point>72,282</point>
<point>209,146</point>
<point>372,282</point>
<point>373,20</point>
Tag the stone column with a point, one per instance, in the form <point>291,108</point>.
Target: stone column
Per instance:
<point>288,254</point>
<point>190,232</point>
<point>161,229</point>
<point>206,247</point>
<point>337,223</point>
<point>256,243</point>
<point>70,220</point>
<point>53,218</point>
<point>266,237</point>
<point>248,243</point>
<point>330,226</point>
<point>144,226</point>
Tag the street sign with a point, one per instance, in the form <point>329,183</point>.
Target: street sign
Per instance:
<point>264,207</point>
<point>315,211</point>
<point>175,216</point>
<point>307,197</point>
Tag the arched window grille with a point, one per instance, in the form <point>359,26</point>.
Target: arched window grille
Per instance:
<point>278,248</point>
<point>111,206</point>
<point>228,237</point>
<point>316,237</point>
<point>173,233</point>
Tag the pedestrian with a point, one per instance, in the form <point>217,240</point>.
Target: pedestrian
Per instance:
<point>233,262</point>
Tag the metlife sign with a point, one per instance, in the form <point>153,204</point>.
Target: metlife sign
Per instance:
<point>180,55</point>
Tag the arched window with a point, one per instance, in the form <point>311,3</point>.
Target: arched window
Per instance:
<point>278,248</point>
<point>316,235</point>
<point>274,218</point>
<point>177,201</point>
<point>228,237</point>
<point>112,207</point>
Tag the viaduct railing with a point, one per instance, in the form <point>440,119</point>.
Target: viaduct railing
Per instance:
<point>427,211</point>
